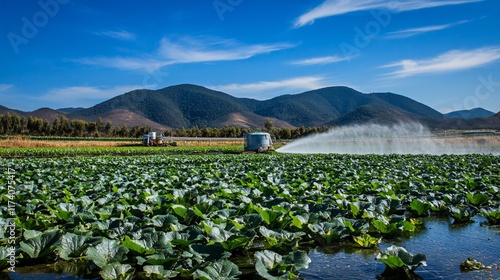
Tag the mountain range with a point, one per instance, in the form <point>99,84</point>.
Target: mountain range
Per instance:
<point>469,114</point>
<point>188,105</point>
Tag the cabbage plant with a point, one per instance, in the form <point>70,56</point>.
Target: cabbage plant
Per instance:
<point>400,262</point>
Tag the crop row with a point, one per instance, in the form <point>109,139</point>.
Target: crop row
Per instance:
<point>108,151</point>
<point>197,216</point>
<point>72,138</point>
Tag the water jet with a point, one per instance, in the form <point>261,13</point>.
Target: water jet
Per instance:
<point>401,138</point>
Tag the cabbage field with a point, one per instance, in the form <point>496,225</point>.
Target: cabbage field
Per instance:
<point>229,216</point>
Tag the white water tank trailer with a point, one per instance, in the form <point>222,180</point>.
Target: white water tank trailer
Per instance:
<point>259,142</point>
<point>149,139</point>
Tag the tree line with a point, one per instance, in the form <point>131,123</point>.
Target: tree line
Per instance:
<point>235,132</point>
<point>13,124</point>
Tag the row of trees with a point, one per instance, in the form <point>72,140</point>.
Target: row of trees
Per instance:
<point>12,124</point>
<point>231,131</point>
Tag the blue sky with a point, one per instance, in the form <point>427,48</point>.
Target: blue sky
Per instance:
<point>75,53</point>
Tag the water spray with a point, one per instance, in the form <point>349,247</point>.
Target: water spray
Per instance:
<point>401,138</point>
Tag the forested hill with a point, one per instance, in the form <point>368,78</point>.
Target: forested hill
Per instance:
<point>189,105</point>
<point>186,105</point>
<point>469,114</point>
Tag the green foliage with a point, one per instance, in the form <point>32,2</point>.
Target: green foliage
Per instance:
<point>40,244</point>
<point>477,198</point>
<point>139,246</point>
<point>329,232</point>
<point>385,227</point>
<point>420,207</point>
<point>492,215</point>
<point>460,214</point>
<point>269,216</point>
<point>107,252</point>
<point>220,270</point>
<point>271,265</point>
<point>13,124</point>
<point>157,272</point>
<point>103,151</point>
<point>366,241</point>
<point>188,215</point>
<point>280,238</point>
<point>72,246</point>
<point>117,271</point>
<point>395,258</point>
<point>4,257</point>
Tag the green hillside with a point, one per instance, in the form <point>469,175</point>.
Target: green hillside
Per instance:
<point>186,105</point>
<point>189,105</point>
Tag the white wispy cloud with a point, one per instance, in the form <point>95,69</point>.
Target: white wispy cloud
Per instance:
<point>263,88</point>
<point>320,60</point>
<point>83,96</point>
<point>5,87</point>
<point>205,49</point>
<point>420,30</point>
<point>146,62</point>
<point>450,61</point>
<point>120,35</point>
<point>339,7</point>
<point>187,50</point>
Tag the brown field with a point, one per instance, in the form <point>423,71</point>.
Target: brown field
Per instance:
<point>208,142</point>
<point>469,140</point>
<point>19,142</point>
